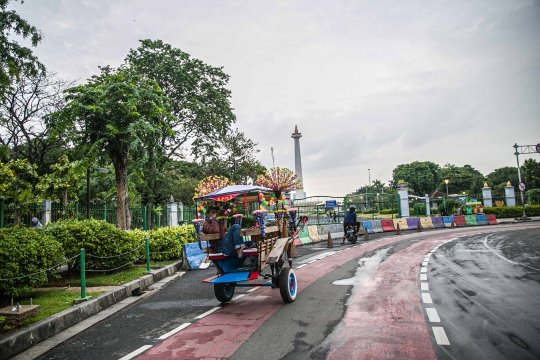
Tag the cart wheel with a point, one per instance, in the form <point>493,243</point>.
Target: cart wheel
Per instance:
<point>224,292</point>
<point>287,284</point>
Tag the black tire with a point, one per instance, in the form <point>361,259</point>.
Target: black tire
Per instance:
<point>224,292</point>
<point>288,284</point>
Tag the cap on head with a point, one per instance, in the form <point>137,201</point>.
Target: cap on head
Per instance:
<point>352,208</point>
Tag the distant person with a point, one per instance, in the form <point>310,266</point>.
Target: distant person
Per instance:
<point>325,218</point>
<point>334,217</point>
<point>460,210</point>
<point>350,219</point>
<point>34,224</point>
<point>443,212</point>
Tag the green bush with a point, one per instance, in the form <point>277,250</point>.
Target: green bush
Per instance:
<point>23,252</point>
<point>164,244</point>
<point>512,211</point>
<point>389,211</point>
<point>106,247</point>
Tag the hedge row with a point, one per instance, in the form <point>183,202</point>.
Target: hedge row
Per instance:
<point>512,211</point>
<point>25,251</point>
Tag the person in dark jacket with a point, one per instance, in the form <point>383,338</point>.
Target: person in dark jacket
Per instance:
<point>350,219</point>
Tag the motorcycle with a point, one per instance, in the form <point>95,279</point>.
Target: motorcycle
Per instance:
<point>350,235</point>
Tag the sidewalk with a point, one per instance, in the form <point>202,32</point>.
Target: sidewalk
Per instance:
<point>515,220</point>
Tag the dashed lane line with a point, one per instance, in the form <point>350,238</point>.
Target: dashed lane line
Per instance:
<point>424,286</point>
<point>433,315</point>
<point>426,298</point>
<point>423,277</point>
<point>174,331</point>
<point>140,350</point>
<point>440,335</point>
<point>208,312</point>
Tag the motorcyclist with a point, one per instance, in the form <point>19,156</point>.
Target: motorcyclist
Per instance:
<point>350,219</point>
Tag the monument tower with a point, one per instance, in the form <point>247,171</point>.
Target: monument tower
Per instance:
<point>300,194</point>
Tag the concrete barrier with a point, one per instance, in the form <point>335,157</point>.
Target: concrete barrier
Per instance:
<point>412,223</point>
<point>193,256</point>
<point>481,219</point>
<point>367,226</point>
<point>447,220</point>
<point>304,237</point>
<point>470,220</point>
<point>313,233</point>
<point>460,220</point>
<point>426,223</point>
<point>492,219</point>
<point>376,226</point>
<point>402,224</point>
<point>388,225</point>
<point>437,222</point>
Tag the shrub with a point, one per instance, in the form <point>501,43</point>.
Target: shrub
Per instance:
<point>512,211</point>
<point>164,244</point>
<point>23,252</point>
<point>106,247</point>
<point>389,211</point>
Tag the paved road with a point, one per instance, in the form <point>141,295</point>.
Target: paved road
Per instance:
<point>367,301</point>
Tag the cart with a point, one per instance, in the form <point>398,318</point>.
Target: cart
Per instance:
<point>272,251</point>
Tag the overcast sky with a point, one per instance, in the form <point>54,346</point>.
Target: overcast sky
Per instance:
<point>370,84</point>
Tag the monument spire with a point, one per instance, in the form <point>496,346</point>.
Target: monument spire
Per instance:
<point>300,194</point>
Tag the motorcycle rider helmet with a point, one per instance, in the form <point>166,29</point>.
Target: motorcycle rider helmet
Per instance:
<point>352,208</point>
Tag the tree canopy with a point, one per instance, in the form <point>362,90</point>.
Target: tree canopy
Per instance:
<point>422,176</point>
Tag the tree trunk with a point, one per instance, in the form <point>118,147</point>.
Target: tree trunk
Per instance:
<point>123,215</point>
<point>64,198</point>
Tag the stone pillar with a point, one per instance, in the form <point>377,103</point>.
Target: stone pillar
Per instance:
<point>180,212</point>
<point>172,213</point>
<point>300,194</point>
<point>509,194</point>
<point>46,212</point>
<point>486,196</point>
<point>403,192</point>
<point>428,210</point>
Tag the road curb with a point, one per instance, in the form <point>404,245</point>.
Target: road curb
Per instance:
<point>27,337</point>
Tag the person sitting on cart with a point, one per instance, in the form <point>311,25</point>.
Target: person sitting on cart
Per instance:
<point>350,219</point>
<point>233,242</point>
<point>212,226</point>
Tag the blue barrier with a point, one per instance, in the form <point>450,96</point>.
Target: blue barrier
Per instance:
<point>447,220</point>
<point>367,225</point>
<point>481,219</point>
<point>193,255</point>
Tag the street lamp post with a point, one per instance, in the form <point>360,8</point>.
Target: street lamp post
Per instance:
<point>100,170</point>
<point>446,182</point>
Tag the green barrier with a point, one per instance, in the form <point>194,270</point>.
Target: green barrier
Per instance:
<point>471,220</point>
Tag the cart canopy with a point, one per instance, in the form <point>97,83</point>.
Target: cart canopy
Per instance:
<point>230,192</point>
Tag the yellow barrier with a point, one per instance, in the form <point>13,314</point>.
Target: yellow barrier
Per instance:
<point>426,223</point>
<point>402,224</point>
<point>313,233</point>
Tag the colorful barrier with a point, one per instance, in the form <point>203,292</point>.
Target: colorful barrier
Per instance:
<point>437,222</point>
<point>193,256</point>
<point>427,223</point>
<point>460,220</point>
<point>367,226</point>
<point>492,219</point>
<point>388,225</point>
<point>402,224</point>
<point>304,237</point>
<point>447,220</point>
<point>471,220</point>
<point>376,226</point>
<point>481,219</point>
<point>313,233</point>
<point>412,223</point>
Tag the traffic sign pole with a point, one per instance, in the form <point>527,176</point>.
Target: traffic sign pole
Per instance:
<point>519,177</point>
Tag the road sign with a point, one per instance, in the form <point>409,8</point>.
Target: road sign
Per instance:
<point>538,148</point>
<point>522,187</point>
<point>331,203</point>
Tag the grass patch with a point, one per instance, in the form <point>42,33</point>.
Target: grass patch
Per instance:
<point>52,302</point>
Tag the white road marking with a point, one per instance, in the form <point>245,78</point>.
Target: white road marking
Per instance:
<point>426,298</point>
<point>432,315</point>
<point>423,277</point>
<point>174,331</point>
<point>238,297</point>
<point>208,312</point>
<point>424,286</point>
<point>301,266</point>
<point>427,258</point>
<point>423,269</point>
<point>440,335</point>
<point>312,261</point>
<point>140,350</point>
<point>255,288</point>
<point>425,263</point>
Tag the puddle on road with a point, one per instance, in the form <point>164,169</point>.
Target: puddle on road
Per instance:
<point>366,265</point>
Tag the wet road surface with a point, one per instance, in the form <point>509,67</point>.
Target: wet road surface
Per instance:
<point>378,310</point>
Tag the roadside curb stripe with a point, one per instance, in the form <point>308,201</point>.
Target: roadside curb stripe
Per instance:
<point>208,312</point>
<point>140,350</point>
<point>174,331</point>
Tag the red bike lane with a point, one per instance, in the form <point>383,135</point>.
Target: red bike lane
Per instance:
<point>384,319</point>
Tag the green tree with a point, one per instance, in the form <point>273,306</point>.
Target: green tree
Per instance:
<point>498,178</point>
<point>530,173</point>
<point>61,183</point>
<point>119,114</point>
<point>422,176</point>
<point>461,179</point>
<point>14,58</point>
<point>20,188</point>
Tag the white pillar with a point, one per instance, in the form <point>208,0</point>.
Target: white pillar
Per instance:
<point>428,213</point>
<point>46,212</point>
<point>172,213</point>
<point>300,194</point>
<point>486,196</point>
<point>510,197</point>
<point>403,192</point>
